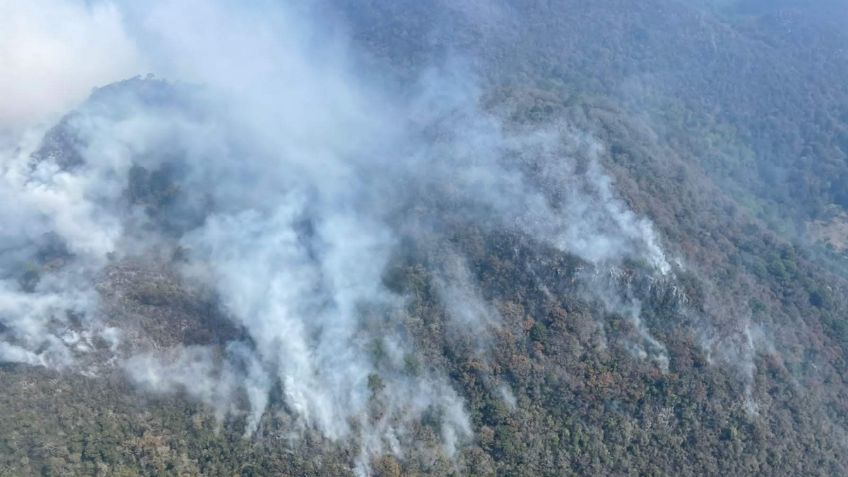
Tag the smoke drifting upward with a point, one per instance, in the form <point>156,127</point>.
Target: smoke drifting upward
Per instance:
<point>54,52</point>
<point>286,183</point>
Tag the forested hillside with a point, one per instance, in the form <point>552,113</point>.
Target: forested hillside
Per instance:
<point>546,238</point>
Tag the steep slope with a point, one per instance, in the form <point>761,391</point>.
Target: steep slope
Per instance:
<point>527,319</point>
<point>751,90</point>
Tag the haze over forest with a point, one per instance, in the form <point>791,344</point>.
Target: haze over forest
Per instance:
<point>374,237</point>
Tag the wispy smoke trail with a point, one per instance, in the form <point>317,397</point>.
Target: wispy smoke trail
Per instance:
<point>285,184</point>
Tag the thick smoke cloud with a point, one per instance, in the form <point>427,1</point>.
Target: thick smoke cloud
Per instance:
<point>286,181</point>
<point>54,52</point>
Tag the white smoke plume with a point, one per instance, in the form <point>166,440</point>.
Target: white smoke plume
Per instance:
<point>54,52</point>
<point>286,179</point>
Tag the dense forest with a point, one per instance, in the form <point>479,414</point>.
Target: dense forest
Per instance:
<point>722,123</point>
